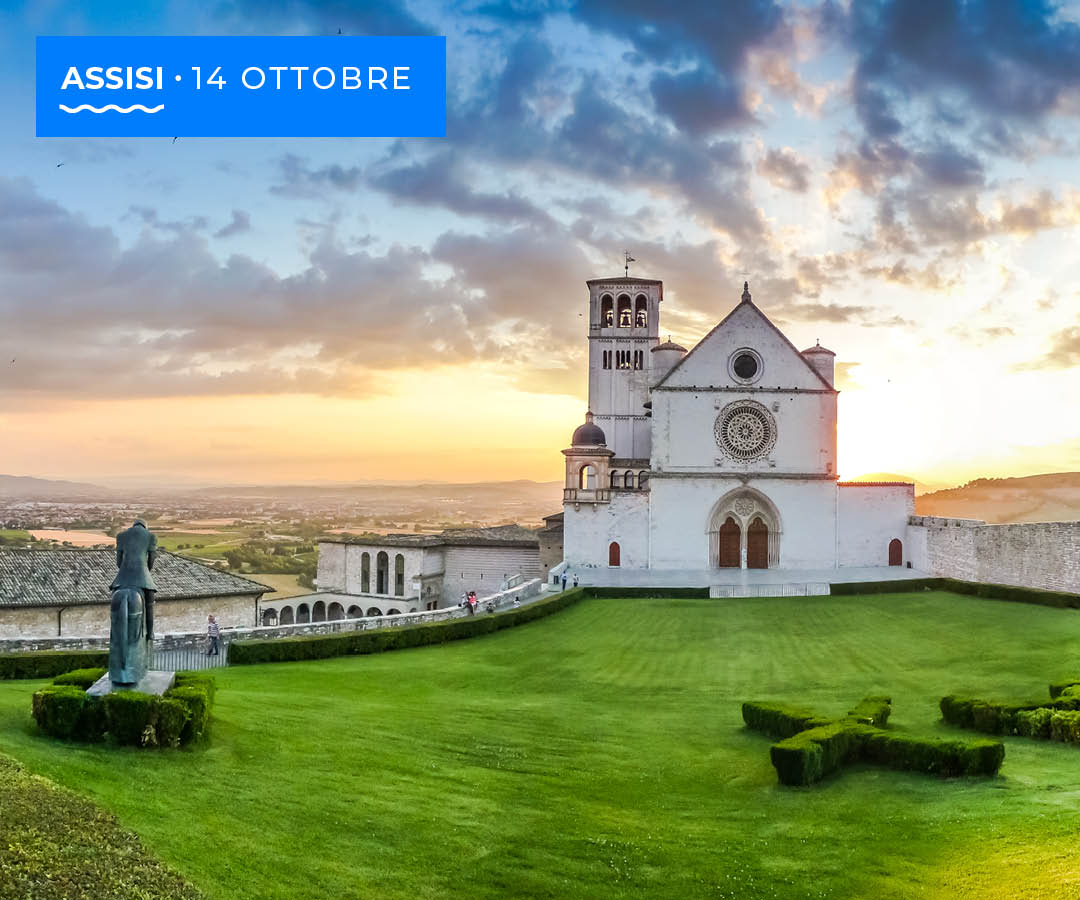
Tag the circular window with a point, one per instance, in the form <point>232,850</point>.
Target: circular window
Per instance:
<point>745,365</point>
<point>745,430</point>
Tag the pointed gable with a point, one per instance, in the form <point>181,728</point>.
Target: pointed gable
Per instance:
<point>746,326</point>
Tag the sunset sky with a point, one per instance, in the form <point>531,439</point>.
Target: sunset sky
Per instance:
<point>896,179</point>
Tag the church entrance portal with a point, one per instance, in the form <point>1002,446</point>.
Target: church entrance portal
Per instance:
<point>757,545</point>
<point>730,541</point>
<point>896,552</point>
<point>744,531</point>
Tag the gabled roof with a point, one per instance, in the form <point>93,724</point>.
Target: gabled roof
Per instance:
<point>746,302</point>
<point>82,578</point>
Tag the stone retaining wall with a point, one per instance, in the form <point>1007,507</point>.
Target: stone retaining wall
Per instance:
<point>196,640</point>
<point>1037,554</point>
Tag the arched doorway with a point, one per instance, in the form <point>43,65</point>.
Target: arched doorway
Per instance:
<point>744,530</point>
<point>729,540</point>
<point>303,614</point>
<point>318,612</point>
<point>334,612</point>
<point>286,615</point>
<point>614,555</point>
<point>896,552</point>
<point>757,545</point>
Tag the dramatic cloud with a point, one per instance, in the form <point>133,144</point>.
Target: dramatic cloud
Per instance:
<point>784,168</point>
<point>1064,350</point>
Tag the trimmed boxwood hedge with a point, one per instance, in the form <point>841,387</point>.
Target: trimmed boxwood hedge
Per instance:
<point>348,643</point>
<point>1053,719</point>
<point>1012,593</point>
<point>813,746</point>
<point>49,663</point>
<point>181,716</point>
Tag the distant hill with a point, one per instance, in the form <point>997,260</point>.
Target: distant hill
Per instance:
<point>1035,498</point>
<point>520,489</point>
<point>921,487</point>
<point>22,487</point>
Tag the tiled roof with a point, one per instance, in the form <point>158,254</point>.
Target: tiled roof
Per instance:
<point>82,577</point>
<point>498,536</point>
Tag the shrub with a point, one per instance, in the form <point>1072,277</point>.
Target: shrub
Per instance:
<point>128,716</point>
<point>49,663</point>
<point>872,711</point>
<point>778,720</point>
<point>1067,685</point>
<point>197,704</point>
<point>57,709</point>
<point>346,643</point>
<point>83,678</point>
<point>807,756</point>
<point>170,717</point>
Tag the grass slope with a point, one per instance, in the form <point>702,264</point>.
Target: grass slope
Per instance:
<point>601,753</point>
<point>57,846</point>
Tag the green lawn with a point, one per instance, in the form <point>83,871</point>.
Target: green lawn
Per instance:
<point>601,753</point>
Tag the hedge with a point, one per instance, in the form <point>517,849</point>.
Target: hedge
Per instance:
<point>651,593</point>
<point>49,663</point>
<point>84,678</point>
<point>1054,719</point>
<point>348,643</point>
<point>1012,593</point>
<point>814,747</point>
<point>60,846</point>
<point>181,716</point>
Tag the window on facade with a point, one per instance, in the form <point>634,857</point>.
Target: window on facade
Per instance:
<point>639,359</point>
<point>382,566</point>
<point>641,314</point>
<point>628,480</point>
<point>622,359</point>
<point>587,478</point>
<point>745,365</point>
<point>607,359</point>
<point>626,316</point>
<point>399,575</point>
<point>614,479</point>
<point>607,311</point>
<point>642,479</point>
<point>365,573</point>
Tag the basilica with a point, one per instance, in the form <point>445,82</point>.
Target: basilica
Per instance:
<point>717,460</point>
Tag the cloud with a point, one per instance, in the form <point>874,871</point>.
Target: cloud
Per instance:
<point>240,223</point>
<point>1064,352</point>
<point>388,17</point>
<point>440,181</point>
<point>947,166</point>
<point>784,168</point>
<point>1011,59</point>
<point>700,100</point>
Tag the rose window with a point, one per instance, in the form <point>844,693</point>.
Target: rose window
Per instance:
<point>745,430</point>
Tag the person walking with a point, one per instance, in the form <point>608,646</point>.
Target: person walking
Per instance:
<point>213,632</point>
<point>564,581</point>
<point>575,579</point>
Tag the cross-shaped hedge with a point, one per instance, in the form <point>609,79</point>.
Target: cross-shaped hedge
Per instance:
<point>812,746</point>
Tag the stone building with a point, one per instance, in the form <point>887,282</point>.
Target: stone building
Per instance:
<point>402,573</point>
<point>715,460</point>
<point>62,593</point>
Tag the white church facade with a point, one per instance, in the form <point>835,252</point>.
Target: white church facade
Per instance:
<point>714,461</point>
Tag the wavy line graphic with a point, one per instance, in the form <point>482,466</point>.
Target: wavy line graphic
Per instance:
<point>113,106</point>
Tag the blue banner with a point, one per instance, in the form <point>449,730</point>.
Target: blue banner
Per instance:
<point>241,86</point>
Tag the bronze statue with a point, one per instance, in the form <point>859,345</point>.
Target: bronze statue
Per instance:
<point>132,608</point>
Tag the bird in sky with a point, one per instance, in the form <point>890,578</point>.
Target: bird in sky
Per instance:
<point>339,31</point>
<point>175,139</point>
<point>58,165</point>
<point>12,361</point>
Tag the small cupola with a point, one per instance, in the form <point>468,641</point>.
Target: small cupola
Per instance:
<point>821,360</point>
<point>665,357</point>
<point>588,435</point>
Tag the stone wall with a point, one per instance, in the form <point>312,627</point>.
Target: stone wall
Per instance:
<point>1040,554</point>
<point>870,516</point>
<point>196,640</point>
<point>93,619</point>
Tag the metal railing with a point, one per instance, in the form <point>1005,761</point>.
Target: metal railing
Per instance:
<point>187,658</point>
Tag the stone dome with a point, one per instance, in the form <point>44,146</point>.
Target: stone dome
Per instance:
<point>589,434</point>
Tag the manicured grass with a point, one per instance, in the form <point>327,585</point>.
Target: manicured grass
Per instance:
<point>601,753</point>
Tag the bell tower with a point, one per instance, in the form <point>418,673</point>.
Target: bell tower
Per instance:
<point>624,326</point>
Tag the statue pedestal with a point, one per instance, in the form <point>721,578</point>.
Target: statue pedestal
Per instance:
<point>151,683</point>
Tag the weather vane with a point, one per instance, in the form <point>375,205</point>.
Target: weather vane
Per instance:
<point>627,259</point>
